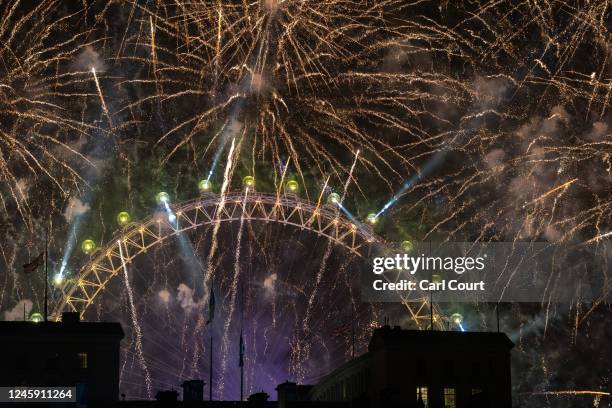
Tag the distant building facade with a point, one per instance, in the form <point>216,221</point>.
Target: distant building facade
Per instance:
<point>193,390</point>
<point>289,393</point>
<point>430,369</point>
<point>402,368</point>
<point>66,353</point>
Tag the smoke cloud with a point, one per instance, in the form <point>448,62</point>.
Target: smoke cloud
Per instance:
<point>75,208</point>
<point>16,313</point>
<point>185,297</point>
<point>87,59</point>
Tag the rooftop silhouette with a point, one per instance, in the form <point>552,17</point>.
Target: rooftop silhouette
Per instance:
<point>72,353</point>
<point>402,368</point>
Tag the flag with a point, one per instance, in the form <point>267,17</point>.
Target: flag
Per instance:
<point>241,355</point>
<point>211,306</point>
<point>32,266</point>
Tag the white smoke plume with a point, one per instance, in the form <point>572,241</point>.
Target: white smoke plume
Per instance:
<point>75,208</point>
<point>16,313</point>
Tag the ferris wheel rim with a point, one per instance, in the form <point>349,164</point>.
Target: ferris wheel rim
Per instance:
<point>333,218</point>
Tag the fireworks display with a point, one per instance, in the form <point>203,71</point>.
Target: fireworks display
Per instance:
<point>41,130</point>
<point>408,121</point>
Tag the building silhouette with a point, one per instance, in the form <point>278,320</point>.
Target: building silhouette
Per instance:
<point>402,368</point>
<point>84,355</point>
<point>193,390</point>
<point>431,369</point>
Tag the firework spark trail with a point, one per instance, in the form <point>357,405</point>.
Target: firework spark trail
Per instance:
<point>225,135</point>
<point>569,392</point>
<point>198,348</point>
<point>182,343</point>
<point>153,51</point>
<point>598,238</point>
<point>279,188</point>
<point>37,129</point>
<point>323,265</point>
<point>349,178</point>
<point>102,101</point>
<point>213,248</point>
<point>138,344</point>
<point>219,35</point>
<point>543,196</point>
<point>229,167</point>
<point>225,345</point>
<point>321,194</point>
<point>302,349</point>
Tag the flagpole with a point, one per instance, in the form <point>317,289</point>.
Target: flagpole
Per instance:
<point>353,331</point>
<point>241,379</point>
<point>497,315</point>
<point>46,268</point>
<point>211,315</point>
<point>210,377</point>
<point>241,351</point>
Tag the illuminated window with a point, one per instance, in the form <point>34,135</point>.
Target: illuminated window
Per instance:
<point>82,360</point>
<point>422,393</point>
<point>449,398</point>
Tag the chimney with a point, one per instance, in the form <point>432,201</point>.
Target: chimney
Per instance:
<point>286,392</point>
<point>258,400</point>
<point>71,317</point>
<point>166,397</point>
<point>193,390</point>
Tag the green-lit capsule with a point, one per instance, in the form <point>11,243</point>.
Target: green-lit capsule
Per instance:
<point>88,246</point>
<point>123,218</point>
